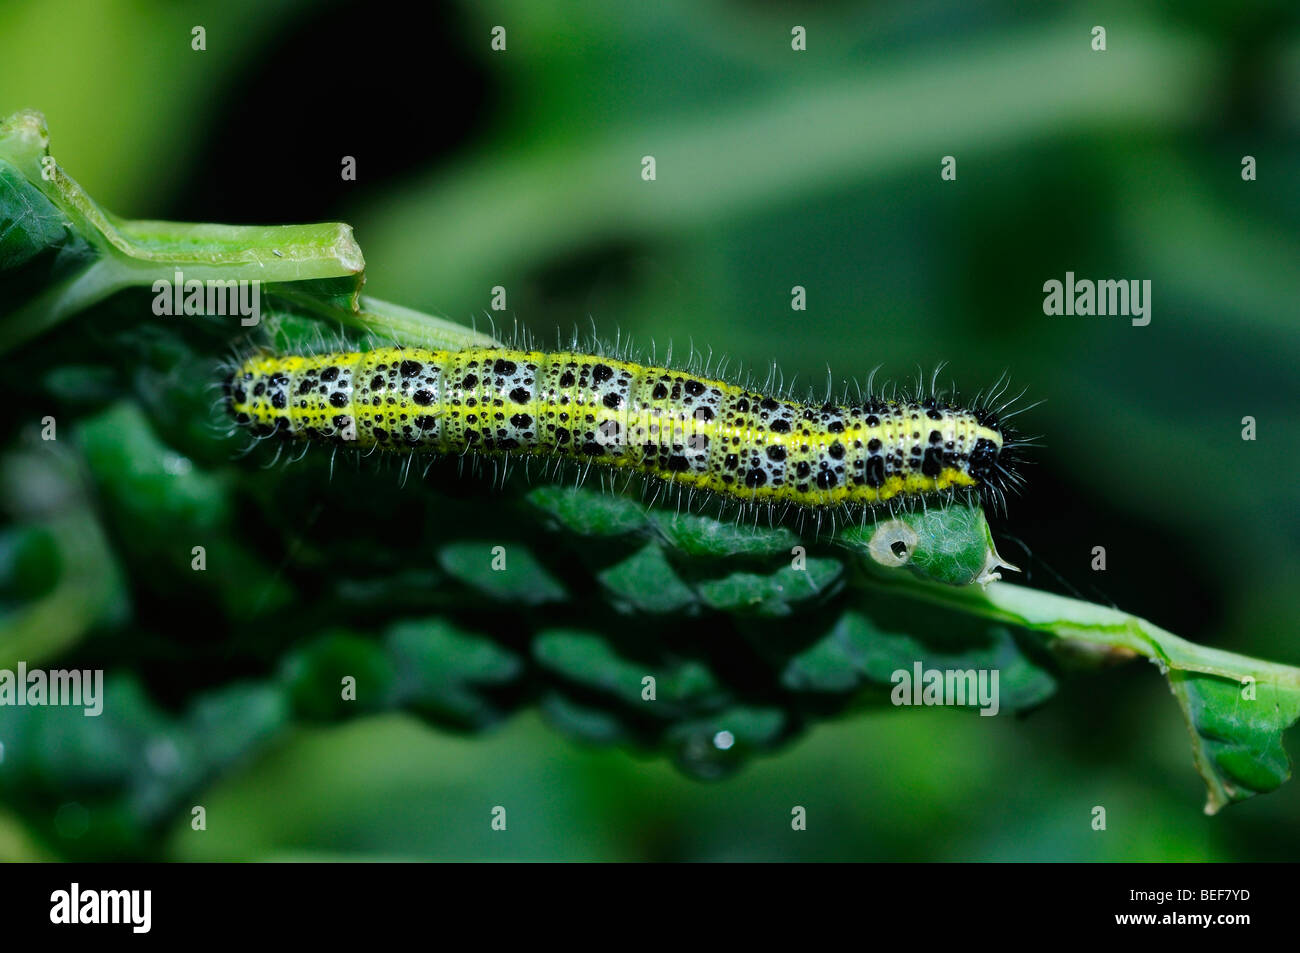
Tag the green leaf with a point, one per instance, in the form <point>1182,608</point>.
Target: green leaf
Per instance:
<point>646,582</point>
<point>169,513</point>
<point>949,544</point>
<point>130,769</point>
<point>588,723</point>
<point>505,572</point>
<point>37,246</point>
<point>449,674</point>
<point>59,575</point>
<point>776,594</point>
<point>337,675</point>
<point>587,512</point>
<point>588,659</point>
<point>1236,741</point>
<point>1236,729</point>
<point>702,536</point>
<point>856,652</point>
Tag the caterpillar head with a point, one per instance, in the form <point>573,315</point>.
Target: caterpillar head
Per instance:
<point>994,461</point>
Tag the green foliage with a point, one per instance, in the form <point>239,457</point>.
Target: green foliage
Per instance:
<point>1237,733</point>
<point>484,567</point>
<point>458,605</point>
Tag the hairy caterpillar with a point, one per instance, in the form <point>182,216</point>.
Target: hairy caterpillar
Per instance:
<point>739,443</point>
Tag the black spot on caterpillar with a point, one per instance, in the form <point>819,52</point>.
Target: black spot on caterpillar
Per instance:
<point>671,425</point>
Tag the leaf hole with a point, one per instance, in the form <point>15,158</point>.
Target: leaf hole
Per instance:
<point>893,543</point>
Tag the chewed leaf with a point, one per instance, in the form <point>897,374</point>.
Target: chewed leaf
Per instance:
<point>1237,728</point>
<point>1236,708</point>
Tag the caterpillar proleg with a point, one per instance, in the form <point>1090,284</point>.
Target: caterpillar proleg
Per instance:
<point>679,427</point>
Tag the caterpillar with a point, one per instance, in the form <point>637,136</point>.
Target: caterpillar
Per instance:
<point>679,427</point>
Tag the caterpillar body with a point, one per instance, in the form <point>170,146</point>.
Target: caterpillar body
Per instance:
<point>679,427</point>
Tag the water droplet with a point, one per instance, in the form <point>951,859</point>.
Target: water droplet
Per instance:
<point>177,465</point>
<point>699,756</point>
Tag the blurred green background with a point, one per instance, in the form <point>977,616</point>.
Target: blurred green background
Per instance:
<point>775,168</point>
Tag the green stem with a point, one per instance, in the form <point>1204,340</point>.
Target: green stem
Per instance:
<point>139,253</point>
<point>391,321</point>
<point>1064,618</point>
